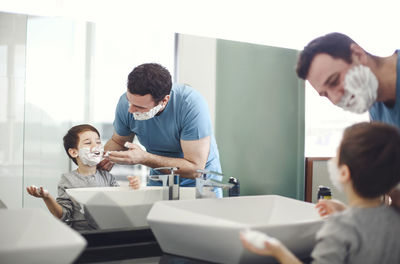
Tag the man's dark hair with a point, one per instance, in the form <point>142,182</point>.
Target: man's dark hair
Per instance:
<point>71,139</point>
<point>372,153</point>
<point>334,44</point>
<point>150,78</point>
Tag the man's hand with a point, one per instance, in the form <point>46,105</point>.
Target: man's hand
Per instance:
<point>134,155</point>
<point>105,164</point>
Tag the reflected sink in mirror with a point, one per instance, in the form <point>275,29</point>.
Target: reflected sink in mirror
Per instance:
<point>118,207</point>
<point>35,236</point>
<point>208,229</point>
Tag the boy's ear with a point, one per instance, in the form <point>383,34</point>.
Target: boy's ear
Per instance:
<point>345,175</point>
<point>73,152</point>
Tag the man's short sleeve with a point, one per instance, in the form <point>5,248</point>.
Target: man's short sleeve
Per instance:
<point>121,121</point>
<point>196,122</point>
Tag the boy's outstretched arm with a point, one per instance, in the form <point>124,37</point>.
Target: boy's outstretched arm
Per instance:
<point>273,248</point>
<point>54,208</point>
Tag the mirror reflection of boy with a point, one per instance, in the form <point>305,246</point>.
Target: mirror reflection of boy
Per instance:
<point>82,144</point>
<point>367,167</point>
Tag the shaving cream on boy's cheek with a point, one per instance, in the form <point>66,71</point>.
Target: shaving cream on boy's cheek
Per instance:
<point>334,173</point>
<point>91,157</point>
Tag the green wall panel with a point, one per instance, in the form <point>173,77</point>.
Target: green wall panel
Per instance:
<point>260,118</point>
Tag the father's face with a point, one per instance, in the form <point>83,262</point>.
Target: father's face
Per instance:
<point>140,103</point>
<point>327,75</point>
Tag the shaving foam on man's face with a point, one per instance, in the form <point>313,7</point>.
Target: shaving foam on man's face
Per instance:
<point>360,90</point>
<point>147,115</point>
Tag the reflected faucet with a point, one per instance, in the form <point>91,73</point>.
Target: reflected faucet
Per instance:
<point>169,181</point>
<point>203,184</point>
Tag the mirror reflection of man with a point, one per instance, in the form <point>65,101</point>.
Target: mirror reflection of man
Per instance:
<point>171,121</point>
<point>353,79</point>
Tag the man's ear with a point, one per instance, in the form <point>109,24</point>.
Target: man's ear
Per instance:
<point>358,54</point>
<point>165,100</point>
<point>73,152</point>
<point>344,175</point>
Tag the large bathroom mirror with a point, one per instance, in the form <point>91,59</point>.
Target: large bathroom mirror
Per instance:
<point>58,72</point>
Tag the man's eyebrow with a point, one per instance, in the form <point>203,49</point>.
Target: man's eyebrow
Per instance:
<point>329,79</point>
<point>134,104</point>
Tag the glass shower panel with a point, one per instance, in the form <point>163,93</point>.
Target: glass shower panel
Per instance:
<point>12,76</point>
<point>55,98</point>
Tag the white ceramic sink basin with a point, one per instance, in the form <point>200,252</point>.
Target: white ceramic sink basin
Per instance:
<point>118,207</point>
<point>35,236</point>
<point>208,229</point>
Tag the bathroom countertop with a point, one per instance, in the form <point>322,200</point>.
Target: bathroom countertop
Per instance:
<point>129,246</point>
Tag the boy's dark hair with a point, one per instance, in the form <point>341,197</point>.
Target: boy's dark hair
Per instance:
<point>372,153</point>
<point>334,44</point>
<point>71,139</point>
<point>150,78</point>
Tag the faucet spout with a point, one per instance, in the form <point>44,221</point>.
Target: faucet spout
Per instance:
<point>169,181</point>
<point>203,183</point>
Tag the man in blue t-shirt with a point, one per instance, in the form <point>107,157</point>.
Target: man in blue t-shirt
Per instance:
<point>351,78</point>
<point>171,121</point>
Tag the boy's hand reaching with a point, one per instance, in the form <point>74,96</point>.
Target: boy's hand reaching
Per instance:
<point>134,182</point>
<point>328,207</point>
<point>259,243</point>
<point>37,192</point>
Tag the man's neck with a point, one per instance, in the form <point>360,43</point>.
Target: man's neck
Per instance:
<point>386,72</point>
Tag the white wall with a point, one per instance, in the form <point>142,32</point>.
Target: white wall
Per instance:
<point>196,66</point>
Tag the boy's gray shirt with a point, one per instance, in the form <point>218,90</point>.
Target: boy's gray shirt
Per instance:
<point>72,209</point>
<point>360,235</point>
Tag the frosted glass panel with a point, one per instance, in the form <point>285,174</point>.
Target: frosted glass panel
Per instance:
<point>55,98</point>
<point>12,74</point>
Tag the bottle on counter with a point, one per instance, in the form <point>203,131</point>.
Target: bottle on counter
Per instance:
<point>235,190</point>
<point>324,193</point>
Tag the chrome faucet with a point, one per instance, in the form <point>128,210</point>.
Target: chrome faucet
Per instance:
<point>202,184</point>
<point>169,182</point>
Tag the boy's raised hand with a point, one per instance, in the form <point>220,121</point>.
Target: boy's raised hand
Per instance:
<point>328,207</point>
<point>37,192</point>
<point>134,182</point>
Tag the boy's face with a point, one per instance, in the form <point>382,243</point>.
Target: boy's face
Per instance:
<point>89,148</point>
<point>88,139</point>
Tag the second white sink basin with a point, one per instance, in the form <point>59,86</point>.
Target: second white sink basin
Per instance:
<point>208,229</point>
<point>35,236</point>
<point>118,207</point>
